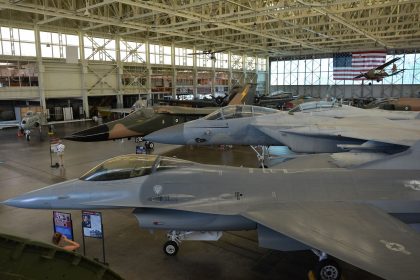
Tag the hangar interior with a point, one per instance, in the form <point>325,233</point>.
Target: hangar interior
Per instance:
<point>80,50</point>
<point>70,57</point>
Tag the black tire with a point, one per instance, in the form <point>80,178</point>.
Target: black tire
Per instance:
<point>170,248</point>
<point>151,145</point>
<point>328,270</point>
<point>219,100</point>
<point>28,137</point>
<point>36,124</point>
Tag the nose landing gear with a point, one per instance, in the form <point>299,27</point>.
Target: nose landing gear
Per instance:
<point>170,248</point>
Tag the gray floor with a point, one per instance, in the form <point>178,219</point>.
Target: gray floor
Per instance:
<point>132,252</point>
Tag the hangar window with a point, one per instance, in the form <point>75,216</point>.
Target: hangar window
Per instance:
<point>222,60</point>
<point>122,167</point>
<point>320,71</point>
<point>54,45</point>
<point>262,64</point>
<point>203,60</point>
<point>160,54</point>
<point>17,42</point>
<point>183,58</point>
<point>133,51</point>
<point>236,62</point>
<point>250,64</point>
<point>101,49</point>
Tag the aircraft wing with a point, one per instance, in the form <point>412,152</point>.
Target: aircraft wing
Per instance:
<point>359,234</point>
<point>117,110</point>
<point>360,76</point>
<point>7,124</point>
<point>387,63</point>
<point>377,129</point>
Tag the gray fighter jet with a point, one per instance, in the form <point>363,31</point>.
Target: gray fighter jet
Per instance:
<point>359,216</point>
<point>316,127</point>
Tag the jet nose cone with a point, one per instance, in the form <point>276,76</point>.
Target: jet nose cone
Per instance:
<point>97,133</point>
<point>169,135</point>
<point>25,201</point>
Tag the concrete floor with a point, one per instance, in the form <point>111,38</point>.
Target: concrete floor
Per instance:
<point>132,252</point>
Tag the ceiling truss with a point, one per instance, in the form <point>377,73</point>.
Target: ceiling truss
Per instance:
<point>263,28</point>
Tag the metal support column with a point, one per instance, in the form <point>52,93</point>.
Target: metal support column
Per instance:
<point>41,70</point>
<point>83,73</point>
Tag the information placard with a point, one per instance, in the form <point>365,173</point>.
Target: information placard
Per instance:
<point>92,224</point>
<point>63,224</point>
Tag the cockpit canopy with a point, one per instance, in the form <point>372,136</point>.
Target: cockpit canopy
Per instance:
<point>239,111</point>
<point>130,166</point>
<point>314,105</point>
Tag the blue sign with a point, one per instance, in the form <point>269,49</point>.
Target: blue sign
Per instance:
<point>63,224</point>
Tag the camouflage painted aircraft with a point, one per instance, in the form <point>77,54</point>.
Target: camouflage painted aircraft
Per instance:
<point>360,216</point>
<point>146,120</point>
<point>379,72</point>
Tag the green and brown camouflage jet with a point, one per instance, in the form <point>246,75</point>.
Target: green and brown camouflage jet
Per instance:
<point>146,120</point>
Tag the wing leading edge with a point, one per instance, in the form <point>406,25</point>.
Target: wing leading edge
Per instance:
<point>359,234</point>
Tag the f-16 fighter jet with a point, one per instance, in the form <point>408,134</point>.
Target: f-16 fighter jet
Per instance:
<point>356,215</point>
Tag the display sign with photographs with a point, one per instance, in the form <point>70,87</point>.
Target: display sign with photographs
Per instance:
<point>63,224</point>
<point>92,224</point>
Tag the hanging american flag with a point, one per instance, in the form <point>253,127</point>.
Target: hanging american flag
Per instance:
<point>346,66</point>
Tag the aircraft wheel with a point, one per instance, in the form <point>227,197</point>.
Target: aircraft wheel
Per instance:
<point>328,270</point>
<point>28,137</point>
<point>219,100</point>
<point>149,145</point>
<point>170,248</point>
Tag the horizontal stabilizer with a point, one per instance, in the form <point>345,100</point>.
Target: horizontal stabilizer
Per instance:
<point>397,72</point>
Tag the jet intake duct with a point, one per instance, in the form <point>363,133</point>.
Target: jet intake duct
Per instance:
<point>169,219</point>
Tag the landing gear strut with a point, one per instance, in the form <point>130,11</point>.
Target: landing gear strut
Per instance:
<point>171,247</point>
<point>262,157</point>
<point>326,269</point>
